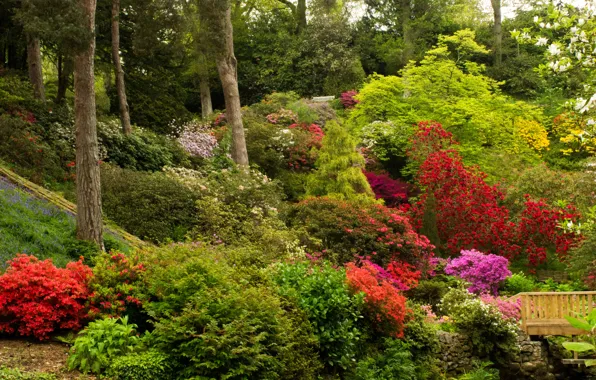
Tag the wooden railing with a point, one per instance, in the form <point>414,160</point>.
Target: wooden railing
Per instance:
<point>543,313</point>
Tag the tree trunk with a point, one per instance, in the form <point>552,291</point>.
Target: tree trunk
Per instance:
<point>206,105</point>
<point>498,31</point>
<point>301,15</point>
<point>89,216</point>
<point>227,68</point>
<point>407,31</point>
<point>35,67</point>
<point>120,86</point>
<point>65,69</point>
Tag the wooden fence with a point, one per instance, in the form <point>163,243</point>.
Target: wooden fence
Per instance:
<point>543,313</point>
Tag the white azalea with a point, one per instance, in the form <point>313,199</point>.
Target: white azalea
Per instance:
<point>553,49</point>
<point>542,41</point>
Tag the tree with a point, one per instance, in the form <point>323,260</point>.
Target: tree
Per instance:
<point>120,85</point>
<point>217,17</point>
<point>497,31</point>
<point>339,168</point>
<point>89,216</point>
<point>35,67</point>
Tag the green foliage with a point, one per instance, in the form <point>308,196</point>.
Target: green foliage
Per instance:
<point>588,324</point>
<point>483,371</point>
<point>142,366</point>
<point>101,342</point>
<point>148,205</point>
<point>519,283</point>
<point>142,150</point>
<point>388,142</point>
<point>431,291</point>
<point>491,335</point>
<point>15,374</point>
<point>322,292</point>
<point>423,343</point>
<point>339,168</point>
<point>393,361</point>
<point>217,322</point>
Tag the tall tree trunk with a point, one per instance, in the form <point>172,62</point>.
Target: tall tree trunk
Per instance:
<point>407,32</point>
<point>206,105</point>
<point>120,86</point>
<point>227,68</point>
<point>35,67</point>
<point>65,70</point>
<point>498,31</point>
<point>301,15</point>
<point>89,216</point>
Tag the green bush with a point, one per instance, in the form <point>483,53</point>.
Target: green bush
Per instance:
<point>393,361</point>
<point>430,292</point>
<point>15,374</point>
<point>150,365</point>
<point>101,342</point>
<point>423,343</point>
<point>491,336</point>
<point>483,371</point>
<point>322,292</point>
<point>149,205</point>
<point>218,323</point>
<point>519,283</point>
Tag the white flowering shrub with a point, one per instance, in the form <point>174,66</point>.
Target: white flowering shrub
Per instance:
<point>196,139</point>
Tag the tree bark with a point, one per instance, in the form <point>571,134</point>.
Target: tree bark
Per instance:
<point>120,85</point>
<point>206,105</point>
<point>301,15</point>
<point>89,215</point>
<point>35,67</point>
<point>498,31</point>
<point>65,70</point>
<point>227,68</point>
<point>406,15</point>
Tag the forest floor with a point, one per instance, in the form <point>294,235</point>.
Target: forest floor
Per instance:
<point>30,356</point>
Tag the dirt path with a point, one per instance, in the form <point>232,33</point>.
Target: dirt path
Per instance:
<point>32,356</point>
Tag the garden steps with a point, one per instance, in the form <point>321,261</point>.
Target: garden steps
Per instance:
<point>65,205</point>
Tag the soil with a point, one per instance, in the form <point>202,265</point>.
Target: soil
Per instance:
<point>31,356</point>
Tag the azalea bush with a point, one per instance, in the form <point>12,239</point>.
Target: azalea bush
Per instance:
<point>509,308</point>
<point>36,298</point>
<point>483,272</point>
<point>343,231</point>
<point>393,192</point>
<point>347,99</point>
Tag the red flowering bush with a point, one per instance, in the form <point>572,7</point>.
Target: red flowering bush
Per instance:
<point>392,191</point>
<point>347,99</point>
<point>348,230</point>
<point>469,213</point>
<point>385,304</point>
<point>36,298</point>
<point>114,285</point>
<point>303,153</point>
<point>429,138</point>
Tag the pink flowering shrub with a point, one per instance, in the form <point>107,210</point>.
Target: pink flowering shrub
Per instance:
<point>483,272</point>
<point>347,99</point>
<point>392,191</point>
<point>196,141</point>
<point>509,308</point>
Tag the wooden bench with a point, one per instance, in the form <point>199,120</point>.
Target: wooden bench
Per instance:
<point>543,313</point>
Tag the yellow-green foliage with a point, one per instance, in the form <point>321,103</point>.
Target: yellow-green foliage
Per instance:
<point>575,133</point>
<point>339,168</point>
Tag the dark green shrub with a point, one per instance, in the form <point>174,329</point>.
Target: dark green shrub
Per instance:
<point>430,292</point>
<point>149,205</point>
<point>216,323</point>
<point>423,343</point>
<point>150,365</point>
<point>323,293</point>
<point>393,361</point>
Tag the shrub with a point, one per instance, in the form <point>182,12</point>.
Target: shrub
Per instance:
<point>430,292</point>
<point>509,308</point>
<point>15,374</point>
<point>392,191</point>
<point>339,168</point>
<point>519,283</point>
<point>385,305</point>
<point>332,310</point>
<point>36,298</point>
<point>142,366</point>
<point>114,285</point>
<point>217,322</point>
<point>197,140</point>
<point>344,231</point>
<point>347,99</point>
<point>483,272</point>
<point>149,205</point>
<point>490,334</point>
<point>101,342</point>
<point>393,361</point>
<point>423,342</point>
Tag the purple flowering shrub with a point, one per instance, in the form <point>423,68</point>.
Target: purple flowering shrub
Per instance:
<point>509,308</point>
<point>484,272</point>
<point>197,140</point>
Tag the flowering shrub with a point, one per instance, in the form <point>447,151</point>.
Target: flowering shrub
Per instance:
<point>197,140</point>
<point>347,230</point>
<point>392,191</point>
<point>430,137</point>
<point>36,298</point>
<point>114,283</point>
<point>283,116</point>
<point>533,133</point>
<point>509,308</point>
<point>386,306</point>
<point>308,139</point>
<point>483,272</point>
<point>348,99</point>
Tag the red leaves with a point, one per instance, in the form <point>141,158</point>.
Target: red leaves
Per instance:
<point>36,298</point>
<point>347,99</point>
